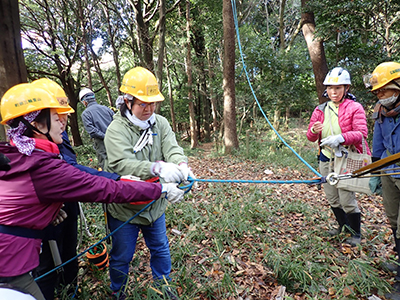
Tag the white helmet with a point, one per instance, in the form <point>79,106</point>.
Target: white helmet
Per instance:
<point>84,92</point>
<point>337,76</point>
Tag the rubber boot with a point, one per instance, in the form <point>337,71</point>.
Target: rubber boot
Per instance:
<point>395,294</point>
<point>355,226</point>
<point>341,218</point>
<point>389,266</point>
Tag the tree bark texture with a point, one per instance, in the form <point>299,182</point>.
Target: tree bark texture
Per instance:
<point>193,133</point>
<point>12,63</point>
<point>230,135</point>
<point>315,48</point>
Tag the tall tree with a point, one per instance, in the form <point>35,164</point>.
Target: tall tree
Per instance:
<point>315,48</point>
<point>12,63</point>
<point>193,132</point>
<point>230,134</point>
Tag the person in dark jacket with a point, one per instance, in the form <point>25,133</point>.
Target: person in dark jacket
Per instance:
<point>385,84</point>
<point>67,231</point>
<point>96,119</point>
<point>39,182</point>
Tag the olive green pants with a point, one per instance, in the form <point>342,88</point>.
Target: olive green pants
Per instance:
<point>391,201</point>
<point>338,198</point>
<point>25,283</point>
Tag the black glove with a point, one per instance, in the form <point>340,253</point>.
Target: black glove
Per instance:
<point>4,163</point>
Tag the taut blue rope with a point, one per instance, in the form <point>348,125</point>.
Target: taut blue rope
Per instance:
<point>255,97</point>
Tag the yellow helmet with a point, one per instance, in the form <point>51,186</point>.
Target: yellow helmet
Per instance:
<point>24,98</point>
<point>142,84</point>
<point>56,90</point>
<point>384,74</point>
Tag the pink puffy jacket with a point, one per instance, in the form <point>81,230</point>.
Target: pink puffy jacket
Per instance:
<point>352,122</point>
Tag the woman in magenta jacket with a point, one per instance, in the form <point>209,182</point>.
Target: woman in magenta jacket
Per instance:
<point>339,122</point>
<point>38,182</point>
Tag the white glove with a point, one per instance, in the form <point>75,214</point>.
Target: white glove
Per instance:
<point>173,193</point>
<point>168,171</point>
<point>130,178</point>
<point>332,141</point>
<point>186,172</point>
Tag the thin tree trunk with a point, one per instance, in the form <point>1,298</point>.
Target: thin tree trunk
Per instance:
<point>13,70</point>
<point>193,133</point>
<point>161,47</point>
<point>170,95</point>
<point>315,48</point>
<point>230,135</point>
<point>212,94</point>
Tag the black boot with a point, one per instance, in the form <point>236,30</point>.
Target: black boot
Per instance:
<point>355,226</point>
<point>395,294</point>
<point>341,218</point>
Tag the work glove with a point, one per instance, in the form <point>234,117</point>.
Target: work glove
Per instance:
<point>332,141</point>
<point>187,172</point>
<point>172,193</point>
<point>375,185</point>
<point>168,171</point>
<point>130,178</point>
<point>61,216</point>
<point>340,150</point>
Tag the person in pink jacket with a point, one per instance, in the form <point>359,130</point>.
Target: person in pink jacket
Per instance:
<point>339,122</point>
<point>38,182</point>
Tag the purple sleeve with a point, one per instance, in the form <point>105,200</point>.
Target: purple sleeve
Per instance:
<point>57,181</point>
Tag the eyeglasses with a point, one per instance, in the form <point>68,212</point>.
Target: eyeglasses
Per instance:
<point>144,105</point>
<point>376,92</point>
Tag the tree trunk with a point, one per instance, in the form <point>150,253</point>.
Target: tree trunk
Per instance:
<point>230,135</point>
<point>145,43</point>
<point>170,96</point>
<point>161,47</point>
<point>212,94</point>
<point>193,133</point>
<point>315,48</point>
<point>13,69</point>
<point>204,101</point>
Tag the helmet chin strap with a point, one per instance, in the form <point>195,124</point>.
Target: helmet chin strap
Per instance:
<point>346,89</point>
<point>29,125</point>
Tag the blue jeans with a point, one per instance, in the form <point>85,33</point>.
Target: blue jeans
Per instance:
<point>123,248</point>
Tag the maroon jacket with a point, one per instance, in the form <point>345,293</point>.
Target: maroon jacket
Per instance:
<point>33,191</point>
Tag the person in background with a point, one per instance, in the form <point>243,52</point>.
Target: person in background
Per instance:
<point>39,182</point>
<point>67,231</point>
<point>339,121</point>
<point>96,119</point>
<point>385,84</point>
<point>142,144</point>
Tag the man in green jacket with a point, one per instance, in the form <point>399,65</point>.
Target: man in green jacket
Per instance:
<point>141,143</point>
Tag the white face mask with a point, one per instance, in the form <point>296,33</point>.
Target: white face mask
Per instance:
<point>388,102</point>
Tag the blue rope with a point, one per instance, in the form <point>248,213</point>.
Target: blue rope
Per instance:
<point>312,181</point>
<point>255,97</point>
<point>96,244</point>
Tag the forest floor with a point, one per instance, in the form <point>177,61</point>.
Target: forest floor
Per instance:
<point>255,275</point>
<point>248,241</point>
